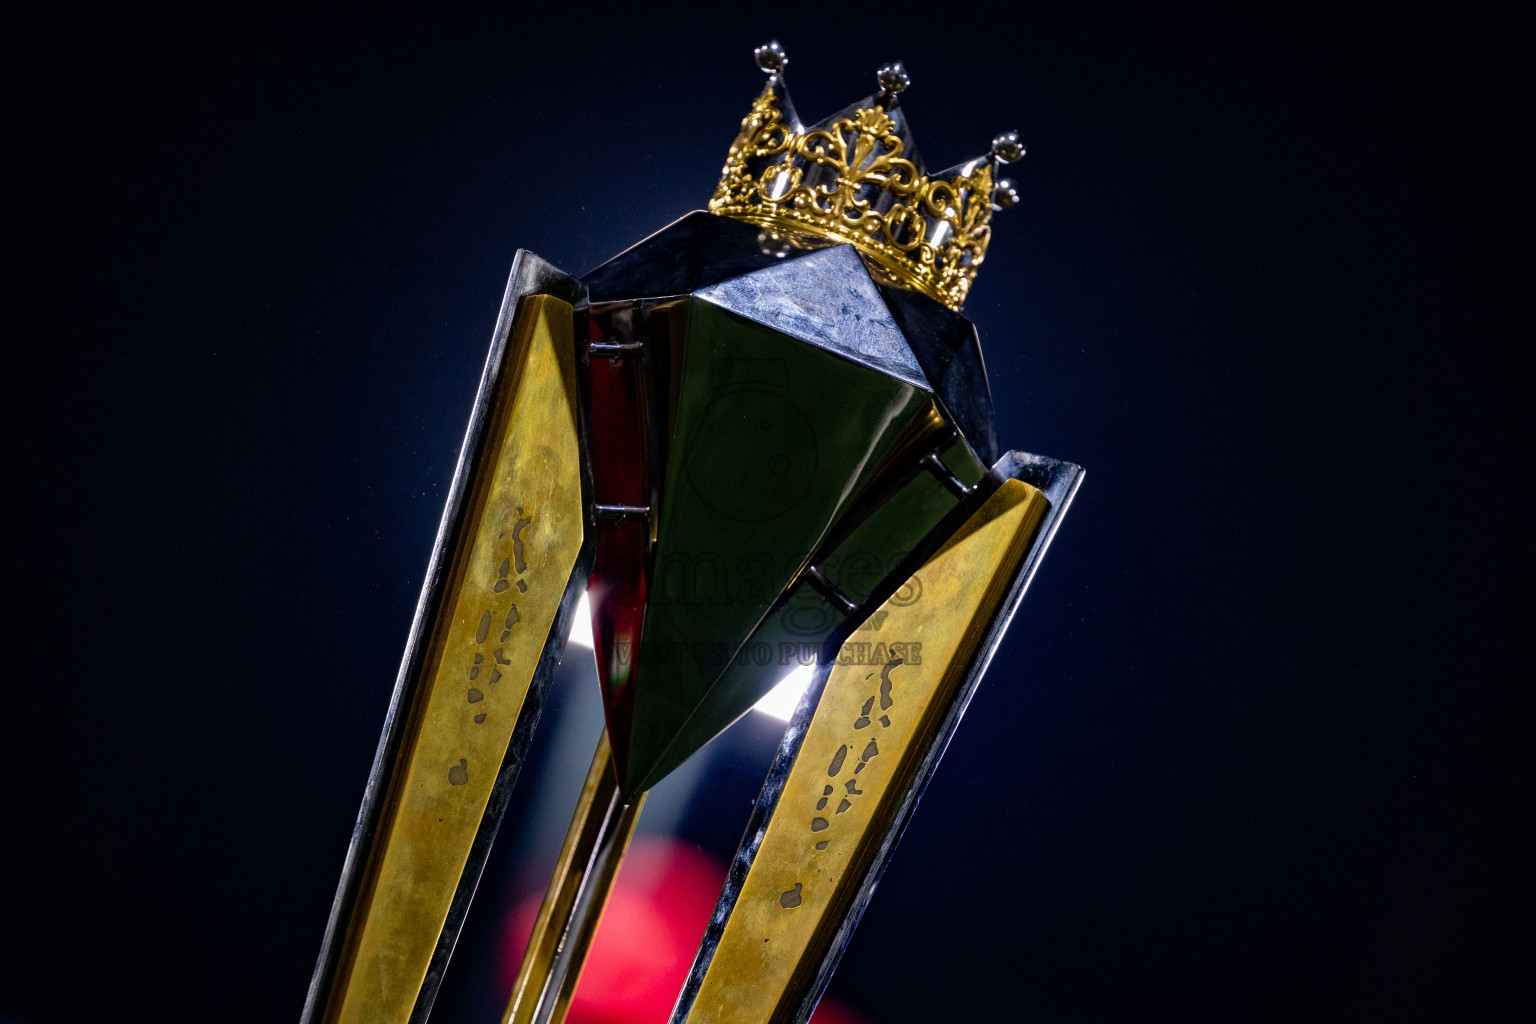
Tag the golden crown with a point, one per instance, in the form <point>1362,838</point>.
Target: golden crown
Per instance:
<point>847,179</point>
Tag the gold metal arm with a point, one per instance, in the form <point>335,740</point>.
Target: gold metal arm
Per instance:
<point>510,571</point>
<point>875,721</point>
<point>584,875</point>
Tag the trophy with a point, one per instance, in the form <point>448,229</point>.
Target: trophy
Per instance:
<point>760,440</point>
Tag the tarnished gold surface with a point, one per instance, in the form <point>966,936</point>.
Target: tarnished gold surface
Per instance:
<point>521,538</point>
<point>871,728</point>
<point>589,861</point>
<point>940,259</point>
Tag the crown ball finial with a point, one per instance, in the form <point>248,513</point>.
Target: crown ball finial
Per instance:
<point>771,57</point>
<point>893,77</point>
<point>1008,148</point>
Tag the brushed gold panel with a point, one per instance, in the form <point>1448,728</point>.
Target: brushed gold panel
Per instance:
<point>872,726</point>
<point>519,548</point>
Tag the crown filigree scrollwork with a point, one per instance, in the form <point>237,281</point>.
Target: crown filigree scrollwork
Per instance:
<point>851,183</point>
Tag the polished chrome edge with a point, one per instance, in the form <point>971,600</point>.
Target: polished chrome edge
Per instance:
<point>1059,482</point>
<point>530,275</point>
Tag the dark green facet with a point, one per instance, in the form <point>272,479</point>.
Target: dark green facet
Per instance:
<point>772,441</point>
<point>872,548</point>
<point>857,559</point>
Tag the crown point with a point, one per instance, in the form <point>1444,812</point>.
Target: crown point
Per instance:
<point>771,57</point>
<point>1008,148</point>
<point>1004,195</point>
<point>893,77</point>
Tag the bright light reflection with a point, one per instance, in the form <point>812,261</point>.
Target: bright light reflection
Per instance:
<point>780,701</point>
<point>581,627</point>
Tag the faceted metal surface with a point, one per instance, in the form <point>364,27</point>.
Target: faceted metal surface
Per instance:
<point>828,299</point>
<point>704,253</point>
<point>947,348</point>
<point>798,343</point>
<point>694,252</point>
<point>892,518</point>
<point>773,439</point>
<point>894,522</point>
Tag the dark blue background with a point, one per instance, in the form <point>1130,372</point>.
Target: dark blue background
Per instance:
<point>1256,746</point>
